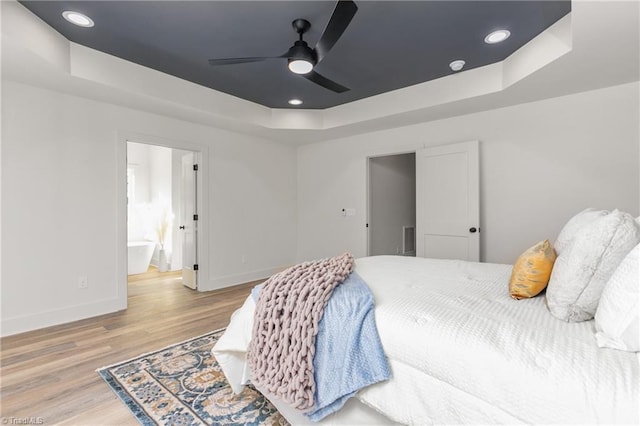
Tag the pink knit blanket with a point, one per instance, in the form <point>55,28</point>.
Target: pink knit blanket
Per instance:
<point>286,319</point>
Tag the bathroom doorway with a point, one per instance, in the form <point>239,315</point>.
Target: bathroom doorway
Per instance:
<point>162,212</point>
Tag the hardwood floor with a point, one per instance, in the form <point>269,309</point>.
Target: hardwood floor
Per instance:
<point>49,374</point>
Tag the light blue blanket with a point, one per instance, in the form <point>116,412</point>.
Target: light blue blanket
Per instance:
<point>349,354</point>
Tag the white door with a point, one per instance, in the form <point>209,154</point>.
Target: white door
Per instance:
<point>188,221</point>
<point>447,202</point>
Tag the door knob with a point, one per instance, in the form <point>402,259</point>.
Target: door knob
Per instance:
<point>181,227</point>
<point>472,230</point>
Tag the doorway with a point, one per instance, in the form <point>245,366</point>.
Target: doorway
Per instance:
<point>392,205</point>
<point>161,212</point>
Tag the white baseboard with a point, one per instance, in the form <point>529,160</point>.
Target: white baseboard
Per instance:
<point>15,325</point>
<point>235,279</point>
<point>21,324</point>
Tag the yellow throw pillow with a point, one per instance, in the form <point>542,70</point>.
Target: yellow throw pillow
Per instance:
<point>532,270</point>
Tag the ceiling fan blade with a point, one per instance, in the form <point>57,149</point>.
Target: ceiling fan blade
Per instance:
<point>231,61</point>
<point>343,13</point>
<point>325,82</point>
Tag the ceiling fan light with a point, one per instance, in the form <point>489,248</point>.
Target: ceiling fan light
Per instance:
<point>300,66</point>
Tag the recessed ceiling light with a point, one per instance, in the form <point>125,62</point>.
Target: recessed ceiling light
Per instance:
<point>78,18</point>
<point>497,36</point>
<point>457,65</point>
<point>295,102</point>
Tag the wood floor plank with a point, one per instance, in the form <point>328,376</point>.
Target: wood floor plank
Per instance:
<point>50,373</point>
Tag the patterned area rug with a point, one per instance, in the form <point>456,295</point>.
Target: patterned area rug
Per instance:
<point>184,385</point>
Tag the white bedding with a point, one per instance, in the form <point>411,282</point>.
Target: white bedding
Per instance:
<point>462,351</point>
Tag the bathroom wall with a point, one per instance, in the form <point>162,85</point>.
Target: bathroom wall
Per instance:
<point>150,198</point>
<point>137,191</point>
<point>160,189</point>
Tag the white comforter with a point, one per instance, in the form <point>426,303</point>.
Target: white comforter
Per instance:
<point>462,351</point>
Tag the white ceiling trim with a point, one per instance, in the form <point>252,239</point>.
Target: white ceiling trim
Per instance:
<point>35,53</point>
<point>103,69</point>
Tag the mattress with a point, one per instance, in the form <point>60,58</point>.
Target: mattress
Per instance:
<point>462,351</point>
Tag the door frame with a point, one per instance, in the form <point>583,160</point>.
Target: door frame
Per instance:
<point>368,189</point>
<point>202,196</point>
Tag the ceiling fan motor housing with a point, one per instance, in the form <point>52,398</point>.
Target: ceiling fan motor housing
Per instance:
<point>301,51</point>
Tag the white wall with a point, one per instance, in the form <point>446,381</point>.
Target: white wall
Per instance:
<point>62,216</point>
<point>160,172</point>
<point>392,183</point>
<point>540,163</point>
<point>138,226</point>
<point>160,186</point>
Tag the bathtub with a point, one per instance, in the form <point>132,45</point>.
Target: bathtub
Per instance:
<point>139,256</point>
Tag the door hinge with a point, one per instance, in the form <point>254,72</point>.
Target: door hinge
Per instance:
<point>195,217</point>
<point>195,267</point>
<point>195,167</point>
<point>367,225</point>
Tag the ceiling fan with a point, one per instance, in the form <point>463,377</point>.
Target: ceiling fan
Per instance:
<point>301,58</point>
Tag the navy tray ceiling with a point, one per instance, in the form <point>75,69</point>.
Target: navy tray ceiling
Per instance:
<point>387,46</point>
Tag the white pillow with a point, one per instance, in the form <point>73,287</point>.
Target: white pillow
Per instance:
<point>585,266</point>
<point>617,317</point>
<point>577,222</point>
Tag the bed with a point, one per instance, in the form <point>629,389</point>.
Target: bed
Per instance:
<point>462,351</point>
